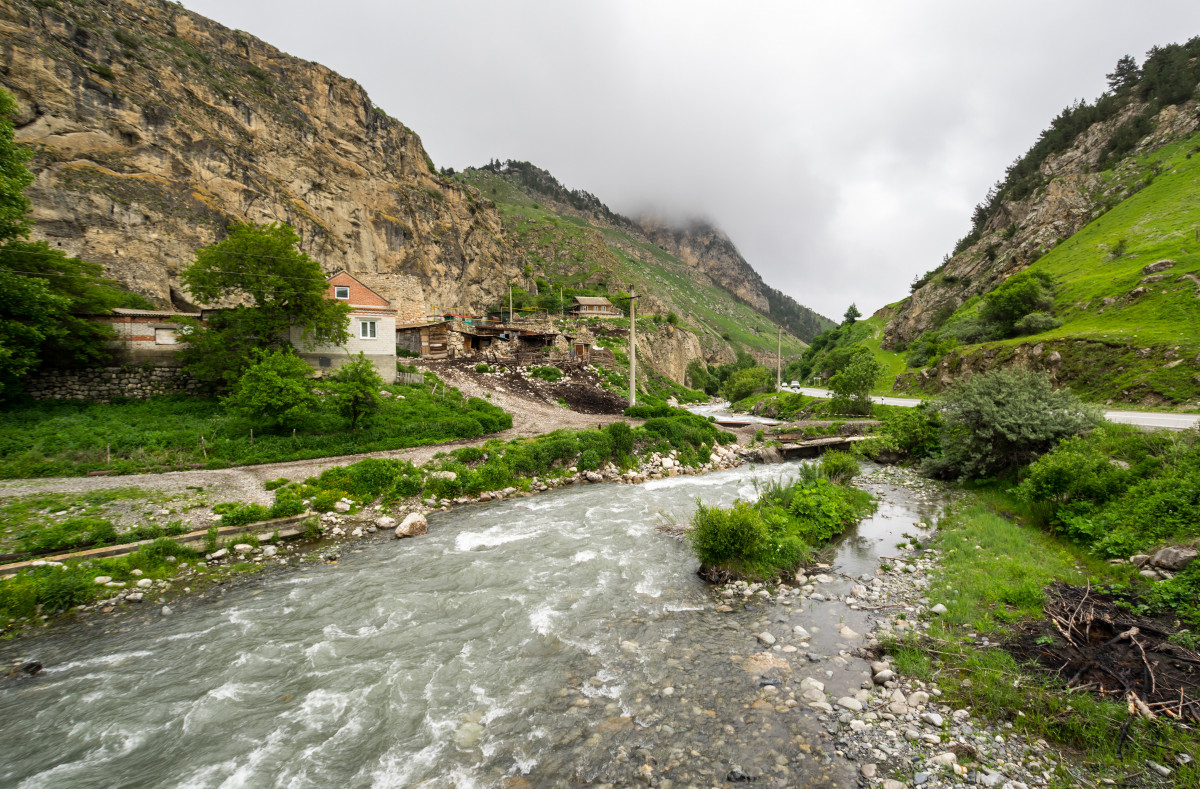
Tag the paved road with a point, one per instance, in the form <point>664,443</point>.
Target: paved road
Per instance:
<point>1141,418</point>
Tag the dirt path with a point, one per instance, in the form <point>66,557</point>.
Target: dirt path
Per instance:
<point>530,418</point>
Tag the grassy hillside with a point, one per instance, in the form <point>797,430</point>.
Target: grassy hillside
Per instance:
<point>569,251</point>
<point>1123,337</point>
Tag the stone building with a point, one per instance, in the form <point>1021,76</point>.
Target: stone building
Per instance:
<point>595,307</point>
<point>145,336</point>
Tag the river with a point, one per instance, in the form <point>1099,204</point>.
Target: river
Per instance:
<point>559,640</point>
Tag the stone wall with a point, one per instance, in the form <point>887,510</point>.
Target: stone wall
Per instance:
<point>102,384</point>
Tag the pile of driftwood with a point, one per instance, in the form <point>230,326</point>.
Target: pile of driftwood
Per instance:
<point>1108,650</point>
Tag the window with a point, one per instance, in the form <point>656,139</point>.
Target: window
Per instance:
<point>366,330</point>
<point>341,293</point>
<point>165,337</point>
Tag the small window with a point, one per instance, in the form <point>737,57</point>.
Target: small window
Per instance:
<point>165,337</point>
<point>340,292</point>
<point>366,330</point>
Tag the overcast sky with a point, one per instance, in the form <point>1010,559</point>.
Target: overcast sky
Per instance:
<point>841,145</point>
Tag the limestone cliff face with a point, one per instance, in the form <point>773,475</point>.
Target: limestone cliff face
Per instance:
<point>1022,231</point>
<point>668,350</point>
<point>155,128</point>
<point>706,248</point>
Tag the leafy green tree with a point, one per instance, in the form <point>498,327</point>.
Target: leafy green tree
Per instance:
<point>284,288</point>
<point>743,383</point>
<point>852,314</point>
<point>993,423</point>
<point>14,175</point>
<point>275,390</point>
<point>1016,298</point>
<point>852,385</point>
<point>356,387</point>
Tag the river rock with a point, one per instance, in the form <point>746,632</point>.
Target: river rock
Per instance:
<point>801,633</point>
<point>413,525</point>
<point>242,548</point>
<point>892,783</point>
<point>468,735</point>
<point>134,597</point>
<point>593,476</point>
<point>766,638</point>
<point>938,609</point>
<point>215,555</point>
<point>145,583</point>
<point>868,771</point>
<point>1174,557</point>
<point>944,758</point>
<point>270,551</point>
<point>850,703</point>
<point>449,476</point>
<point>932,718</point>
<point>918,698</point>
<point>880,665</point>
<point>883,677</point>
<point>100,580</point>
<point>385,522</point>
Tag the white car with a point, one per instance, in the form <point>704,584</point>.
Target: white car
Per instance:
<point>795,384</point>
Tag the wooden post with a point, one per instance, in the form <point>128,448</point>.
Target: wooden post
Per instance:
<point>203,448</point>
<point>107,453</point>
<point>632,348</point>
<point>510,312</point>
<point>251,436</point>
<point>779,359</point>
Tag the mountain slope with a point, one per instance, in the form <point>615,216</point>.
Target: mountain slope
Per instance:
<point>697,244</point>
<point>561,248</point>
<point>155,128</point>
<point>1109,190</point>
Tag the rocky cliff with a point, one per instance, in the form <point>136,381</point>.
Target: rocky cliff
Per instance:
<point>1018,232</point>
<point>155,128</point>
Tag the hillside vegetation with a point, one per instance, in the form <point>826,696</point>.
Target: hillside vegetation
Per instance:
<point>1083,261</point>
<point>571,240</point>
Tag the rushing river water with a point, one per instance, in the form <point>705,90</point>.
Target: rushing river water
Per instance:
<point>559,640</point>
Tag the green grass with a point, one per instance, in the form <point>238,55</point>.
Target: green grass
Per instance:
<point>992,575</point>
<point>42,439</point>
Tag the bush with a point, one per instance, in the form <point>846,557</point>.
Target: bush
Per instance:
<point>549,374</point>
<point>721,536</point>
<point>743,383</point>
<point>995,422</point>
<point>287,503</point>
<point>356,386</point>
<point>852,385</point>
<point>237,514</point>
<point>276,391</point>
<point>1036,323</point>
<point>482,368</point>
<point>839,467</point>
<point>915,431</point>
<point>620,435</point>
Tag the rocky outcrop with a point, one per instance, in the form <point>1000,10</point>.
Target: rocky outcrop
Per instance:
<point>1021,231</point>
<point>668,350</point>
<point>707,249</point>
<point>155,128</point>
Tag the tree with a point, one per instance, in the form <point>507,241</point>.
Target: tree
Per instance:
<point>1124,75</point>
<point>285,288</point>
<point>852,385</point>
<point>743,383</point>
<point>14,175</point>
<point>1016,298</point>
<point>993,423</point>
<point>852,314</point>
<point>356,387</point>
<point>275,390</point>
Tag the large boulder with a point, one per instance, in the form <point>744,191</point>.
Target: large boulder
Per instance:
<point>1173,557</point>
<point>768,454</point>
<point>1157,266</point>
<point>413,525</point>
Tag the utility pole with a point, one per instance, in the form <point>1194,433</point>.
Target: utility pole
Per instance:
<point>632,348</point>
<point>779,359</point>
<point>510,312</point>
<point>562,305</point>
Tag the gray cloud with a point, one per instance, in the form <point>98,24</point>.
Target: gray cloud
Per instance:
<point>840,145</point>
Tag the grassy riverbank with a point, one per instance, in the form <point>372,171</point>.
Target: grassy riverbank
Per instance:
<point>47,439</point>
<point>992,576</point>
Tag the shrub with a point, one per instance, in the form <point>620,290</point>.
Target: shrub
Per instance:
<point>482,368</point>
<point>275,391</point>
<point>743,383</point>
<point>1036,323</point>
<point>915,431</point>
<point>237,514</point>
<point>852,385</point>
<point>995,422</point>
<point>823,510</point>
<point>405,487</point>
<point>549,374</point>
<point>839,466</point>
<point>356,386</point>
<point>620,435</point>
<point>588,461</point>
<point>737,534</point>
<point>287,503</point>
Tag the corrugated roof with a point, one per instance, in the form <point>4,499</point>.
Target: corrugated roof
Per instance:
<point>154,313</point>
<point>592,301</point>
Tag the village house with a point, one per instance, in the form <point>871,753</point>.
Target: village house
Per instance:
<point>594,307</point>
<point>372,330</point>
<point>145,336</point>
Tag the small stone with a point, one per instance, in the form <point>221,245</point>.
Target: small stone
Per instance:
<point>1162,770</point>
<point>944,758</point>
<point>221,554</point>
<point>766,638</point>
<point>166,610</point>
<point>100,580</point>
<point>630,646</point>
<point>145,583</point>
<point>385,522</point>
<point>242,548</point>
<point>135,597</point>
<point>850,703</point>
<point>868,771</point>
<point>892,783</point>
<point>800,632</point>
<point>270,551</point>
<point>413,525</point>
<point>883,677</point>
<point>880,665</point>
<point>932,718</point>
<point>938,609</point>
<point>920,779</point>
<point>918,698</point>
